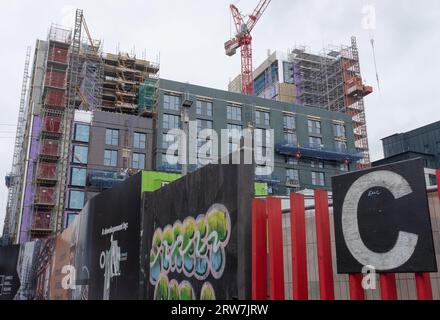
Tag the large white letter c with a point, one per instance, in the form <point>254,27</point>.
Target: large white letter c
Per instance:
<point>406,242</point>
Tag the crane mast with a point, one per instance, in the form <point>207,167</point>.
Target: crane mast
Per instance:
<point>243,40</point>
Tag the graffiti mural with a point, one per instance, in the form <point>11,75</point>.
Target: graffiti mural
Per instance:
<point>194,248</point>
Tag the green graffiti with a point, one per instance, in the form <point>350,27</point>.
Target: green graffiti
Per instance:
<point>194,247</point>
<point>161,290</point>
<point>207,292</point>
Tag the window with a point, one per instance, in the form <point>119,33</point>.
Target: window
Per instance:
<point>171,121</point>
<point>111,137</point>
<point>315,142</point>
<point>166,144</point>
<point>318,179</point>
<point>139,140</point>
<point>232,147</point>
<point>204,108</point>
<point>290,138</point>
<point>171,102</point>
<point>340,131</point>
<point>314,127</point>
<point>71,218</point>
<point>78,177</point>
<point>317,164</point>
<point>174,159</point>
<point>262,118</point>
<point>341,145</point>
<point>76,199</point>
<point>292,174</point>
<point>289,122</point>
<point>343,167</point>
<point>203,124</point>
<point>208,148</point>
<point>81,133</point>
<point>261,136</point>
<point>233,113</point>
<point>110,158</point>
<point>80,154</point>
<point>235,131</point>
<point>288,72</point>
<point>138,161</point>
<point>260,152</point>
<point>292,161</point>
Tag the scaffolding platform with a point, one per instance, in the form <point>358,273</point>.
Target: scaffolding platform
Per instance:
<point>317,152</point>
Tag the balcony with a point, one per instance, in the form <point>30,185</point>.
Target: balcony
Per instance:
<point>58,55</point>
<point>45,196</point>
<point>49,148</point>
<point>52,125</point>
<point>270,180</point>
<point>317,152</point>
<point>171,168</point>
<point>42,221</point>
<point>105,179</point>
<point>55,79</point>
<point>47,172</point>
<point>55,99</point>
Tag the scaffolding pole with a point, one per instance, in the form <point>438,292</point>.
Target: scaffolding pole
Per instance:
<point>14,194</point>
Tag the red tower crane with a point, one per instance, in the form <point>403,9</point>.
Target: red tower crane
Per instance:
<point>243,40</point>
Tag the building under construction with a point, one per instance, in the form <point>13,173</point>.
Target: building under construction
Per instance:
<point>329,80</point>
<point>70,73</point>
<point>90,119</point>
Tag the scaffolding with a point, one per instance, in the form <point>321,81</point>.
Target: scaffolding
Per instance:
<point>124,80</point>
<point>18,163</point>
<point>332,80</point>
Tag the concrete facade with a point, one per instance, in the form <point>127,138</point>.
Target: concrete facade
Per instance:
<point>319,161</point>
<point>87,178</point>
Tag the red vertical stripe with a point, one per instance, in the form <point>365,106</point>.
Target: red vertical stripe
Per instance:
<point>276,264</point>
<point>299,251</point>
<point>356,290</point>
<point>259,250</point>
<point>388,287</point>
<point>326,286</point>
<point>423,284</point>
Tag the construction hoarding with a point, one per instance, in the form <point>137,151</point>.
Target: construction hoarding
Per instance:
<point>196,236</point>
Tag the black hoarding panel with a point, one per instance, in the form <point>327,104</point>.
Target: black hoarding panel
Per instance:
<point>9,280</point>
<point>382,220</point>
<point>196,236</point>
<point>114,218</point>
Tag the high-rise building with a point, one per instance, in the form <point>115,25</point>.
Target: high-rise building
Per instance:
<point>329,80</point>
<point>71,74</point>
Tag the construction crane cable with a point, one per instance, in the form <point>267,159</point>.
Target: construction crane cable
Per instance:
<point>375,62</point>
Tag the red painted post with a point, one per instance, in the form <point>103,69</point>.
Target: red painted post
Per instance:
<point>276,262</point>
<point>356,290</point>
<point>299,249</point>
<point>388,289</point>
<point>423,284</point>
<point>325,269</point>
<point>259,250</point>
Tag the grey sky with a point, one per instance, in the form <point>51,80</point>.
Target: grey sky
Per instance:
<point>189,36</point>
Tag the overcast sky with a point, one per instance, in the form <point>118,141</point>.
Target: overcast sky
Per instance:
<point>189,37</point>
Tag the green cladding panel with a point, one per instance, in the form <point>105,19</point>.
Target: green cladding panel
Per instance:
<point>154,180</point>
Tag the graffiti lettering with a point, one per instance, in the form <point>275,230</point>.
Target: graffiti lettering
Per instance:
<point>194,247</point>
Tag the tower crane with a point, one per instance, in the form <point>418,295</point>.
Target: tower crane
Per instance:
<point>243,40</point>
